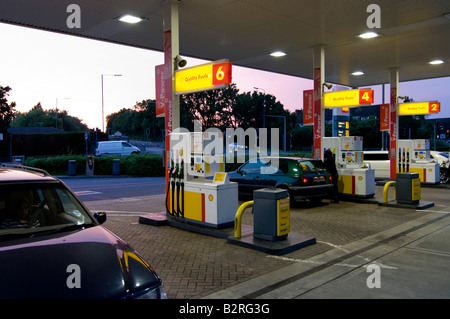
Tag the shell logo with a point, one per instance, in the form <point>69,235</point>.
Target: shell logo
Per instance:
<point>210,197</point>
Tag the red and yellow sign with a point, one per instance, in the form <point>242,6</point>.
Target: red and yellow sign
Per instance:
<point>384,117</point>
<point>308,107</point>
<point>203,77</point>
<point>160,90</point>
<point>347,98</point>
<point>417,108</point>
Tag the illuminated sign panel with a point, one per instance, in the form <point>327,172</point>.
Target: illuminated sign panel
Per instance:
<point>417,108</point>
<point>348,98</point>
<point>308,107</point>
<point>160,90</point>
<point>203,77</point>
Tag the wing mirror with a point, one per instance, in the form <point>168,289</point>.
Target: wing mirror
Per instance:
<point>100,217</point>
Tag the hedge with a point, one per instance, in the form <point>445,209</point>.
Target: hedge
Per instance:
<point>134,165</point>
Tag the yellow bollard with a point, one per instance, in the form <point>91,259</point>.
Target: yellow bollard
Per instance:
<point>237,220</point>
<point>386,189</point>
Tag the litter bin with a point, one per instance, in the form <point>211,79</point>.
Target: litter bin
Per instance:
<point>116,167</point>
<point>408,188</point>
<point>72,171</point>
<point>271,214</point>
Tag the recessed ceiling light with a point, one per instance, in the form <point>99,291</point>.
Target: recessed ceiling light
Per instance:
<point>278,53</point>
<point>436,62</point>
<point>128,18</point>
<point>368,35</point>
<point>358,73</point>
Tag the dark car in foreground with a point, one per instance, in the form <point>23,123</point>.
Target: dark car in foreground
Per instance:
<point>304,178</point>
<point>51,246</point>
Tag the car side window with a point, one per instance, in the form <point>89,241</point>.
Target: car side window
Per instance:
<point>307,166</point>
<point>252,167</point>
<point>124,144</point>
<point>279,167</point>
<point>70,208</point>
<point>313,166</point>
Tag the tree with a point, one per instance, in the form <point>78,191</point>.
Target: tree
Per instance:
<point>221,108</point>
<point>302,137</point>
<point>37,117</point>
<point>212,108</point>
<point>69,123</point>
<point>148,118</point>
<point>134,122</point>
<point>368,129</point>
<point>415,127</point>
<point>7,111</point>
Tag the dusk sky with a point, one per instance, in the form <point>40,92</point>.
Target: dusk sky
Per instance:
<point>52,68</point>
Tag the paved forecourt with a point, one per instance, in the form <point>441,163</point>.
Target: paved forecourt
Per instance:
<point>358,246</point>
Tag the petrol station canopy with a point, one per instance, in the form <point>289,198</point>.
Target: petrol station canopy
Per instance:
<point>245,32</point>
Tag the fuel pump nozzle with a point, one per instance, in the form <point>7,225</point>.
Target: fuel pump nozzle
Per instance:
<point>174,177</point>
<point>181,178</point>
<point>170,182</point>
<point>178,177</point>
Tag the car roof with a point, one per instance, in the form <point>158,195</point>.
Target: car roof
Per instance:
<point>287,158</point>
<point>376,152</point>
<point>19,173</point>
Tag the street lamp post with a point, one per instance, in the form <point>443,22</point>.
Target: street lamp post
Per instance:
<point>103,103</point>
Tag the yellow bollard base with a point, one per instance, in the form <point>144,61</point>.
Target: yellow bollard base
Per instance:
<point>293,242</point>
<point>421,205</point>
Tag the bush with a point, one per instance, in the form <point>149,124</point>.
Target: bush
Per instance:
<point>57,165</point>
<point>142,165</point>
<point>134,165</point>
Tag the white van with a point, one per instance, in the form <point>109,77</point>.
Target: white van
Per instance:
<point>379,161</point>
<point>115,148</point>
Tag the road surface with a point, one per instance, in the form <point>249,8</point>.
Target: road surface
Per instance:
<point>120,195</point>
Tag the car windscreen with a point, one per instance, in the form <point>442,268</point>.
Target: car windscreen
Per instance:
<point>38,205</point>
<point>312,166</point>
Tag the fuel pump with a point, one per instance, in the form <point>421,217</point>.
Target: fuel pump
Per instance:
<point>198,191</point>
<point>414,156</point>
<point>355,177</point>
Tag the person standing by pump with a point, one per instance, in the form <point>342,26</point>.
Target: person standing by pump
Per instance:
<point>330,165</point>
